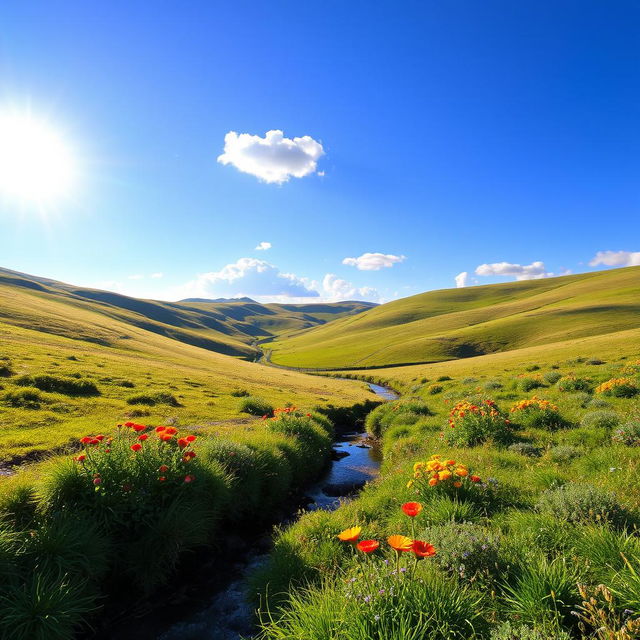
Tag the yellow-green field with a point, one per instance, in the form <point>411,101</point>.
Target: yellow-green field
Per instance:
<point>458,323</point>
<point>47,334</point>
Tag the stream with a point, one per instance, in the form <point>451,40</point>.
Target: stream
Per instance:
<point>355,460</point>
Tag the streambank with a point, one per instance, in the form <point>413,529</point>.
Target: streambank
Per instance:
<point>227,616</point>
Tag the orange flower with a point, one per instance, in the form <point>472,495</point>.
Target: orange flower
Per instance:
<point>138,427</point>
<point>462,472</point>
<point>182,443</point>
<point>136,447</point>
<point>475,478</point>
<point>163,468</point>
<point>81,458</point>
<point>350,535</point>
<point>171,431</point>
<point>367,546</point>
<point>165,437</point>
<point>444,475</point>
<point>457,484</point>
<point>433,482</point>
<point>423,549</point>
<point>400,543</point>
<point>412,509</point>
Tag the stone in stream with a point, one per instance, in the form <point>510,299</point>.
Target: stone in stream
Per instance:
<point>337,454</point>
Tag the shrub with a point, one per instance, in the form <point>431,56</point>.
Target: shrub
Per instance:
<point>127,384</point>
<point>434,389</point>
<point>571,383</point>
<point>151,399</point>
<point>595,361</point>
<point>628,434</point>
<point>532,367</point>
<point>5,370</point>
<point>528,384</point>
<point>255,406</point>
<point>601,419</point>
<point>538,413</point>
<point>618,388</point>
<point>443,379</point>
<point>492,385</point>
<point>29,398</point>
<point>564,453</point>
<point>525,449</point>
<point>240,393</point>
<point>508,631</point>
<point>472,424</point>
<point>57,384</point>
<point>551,377</point>
<point>401,411</point>
<point>467,551</point>
<point>582,503</point>
<point>467,381</point>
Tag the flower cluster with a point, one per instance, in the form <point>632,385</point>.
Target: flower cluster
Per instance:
<point>161,455</point>
<point>399,543</point>
<point>472,423</point>
<point>618,387</point>
<point>437,471</point>
<point>534,404</point>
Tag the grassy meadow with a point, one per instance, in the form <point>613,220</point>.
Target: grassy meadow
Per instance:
<point>525,468</point>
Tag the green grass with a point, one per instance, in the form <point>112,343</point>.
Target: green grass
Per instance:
<point>459,323</point>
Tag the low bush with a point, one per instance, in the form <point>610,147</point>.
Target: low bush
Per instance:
<point>56,384</point>
<point>571,383</point>
<point>582,503</point>
<point>405,412</point>
<point>443,379</point>
<point>551,377</point>
<point>601,419</point>
<point>618,388</point>
<point>152,399</point>
<point>255,406</point>
<point>539,414</point>
<point>628,434</point>
<point>434,389</point>
<point>472,424</point>
<point>28,398</point>
<point>526,449</point>
<point>5,370</point>
<point>492,385</point>
<point>528,384</point>
<point>240,393</point>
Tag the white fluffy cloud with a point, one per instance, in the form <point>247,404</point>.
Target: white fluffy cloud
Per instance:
<point>263,246</point>
<point>462,279</point>
<point>532,271</point>
<point>273,158</point>
<point>334,288</point>
<point>248,277</point>
<point>373,261</point>
<point>616,259</point>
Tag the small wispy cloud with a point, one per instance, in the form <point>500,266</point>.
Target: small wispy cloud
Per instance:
<point>462,279</point>
<point>157,275</point>
<point>274,158</point>
<point>263,246</point>
<point>616,259</point>
<point>373,261</point>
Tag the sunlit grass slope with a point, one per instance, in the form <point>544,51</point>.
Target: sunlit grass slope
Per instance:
<point>226,327</point>
<point>458,323</point>
<point>138,373</point>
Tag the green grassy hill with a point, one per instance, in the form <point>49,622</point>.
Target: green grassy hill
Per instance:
<point>226,327</point>
<point>458,323</point>
<point>145,360</point>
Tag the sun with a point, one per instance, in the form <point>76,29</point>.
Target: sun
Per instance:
<point>36,164</point>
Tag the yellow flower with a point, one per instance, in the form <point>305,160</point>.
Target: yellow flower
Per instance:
<point>462,472</point>
<point>409,484</point>
<point>433,482</point>
<point>417,466</point>
<point>444,475</point>
<point>350,535</point>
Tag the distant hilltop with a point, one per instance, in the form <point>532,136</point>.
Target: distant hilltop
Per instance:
<point>218,300</point>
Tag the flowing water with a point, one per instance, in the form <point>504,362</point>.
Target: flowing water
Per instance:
<point>355,461</point>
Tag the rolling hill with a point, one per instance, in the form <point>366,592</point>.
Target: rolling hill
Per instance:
<point>143,358</point>
<point>229,327</point>
<point>459,323</point>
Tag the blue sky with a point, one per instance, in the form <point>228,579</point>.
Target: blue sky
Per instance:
<point>447,137</point>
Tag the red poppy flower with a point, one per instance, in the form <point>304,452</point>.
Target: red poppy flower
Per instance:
<point>81,458</point>
<point>129,424</point>
<point>163,468</point>
<point>143,437</point>
<point>188,455</point>
<point>412,509</point>
<point>191,438</point>
<point>423,549</point>
<point>182,443</point>
<point>86,440</point>
<point>97,481</point>
<point>100,438</point>
<point>367,546</point>
<point>161,479</point>
<point>138,427</point>
<point>171,431</point>
<point>94,441</point>
<point>189,478</point>
<point>160,429</point>
<point>136,447</point>
<point>475,478</point>
<point>165,437</point>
